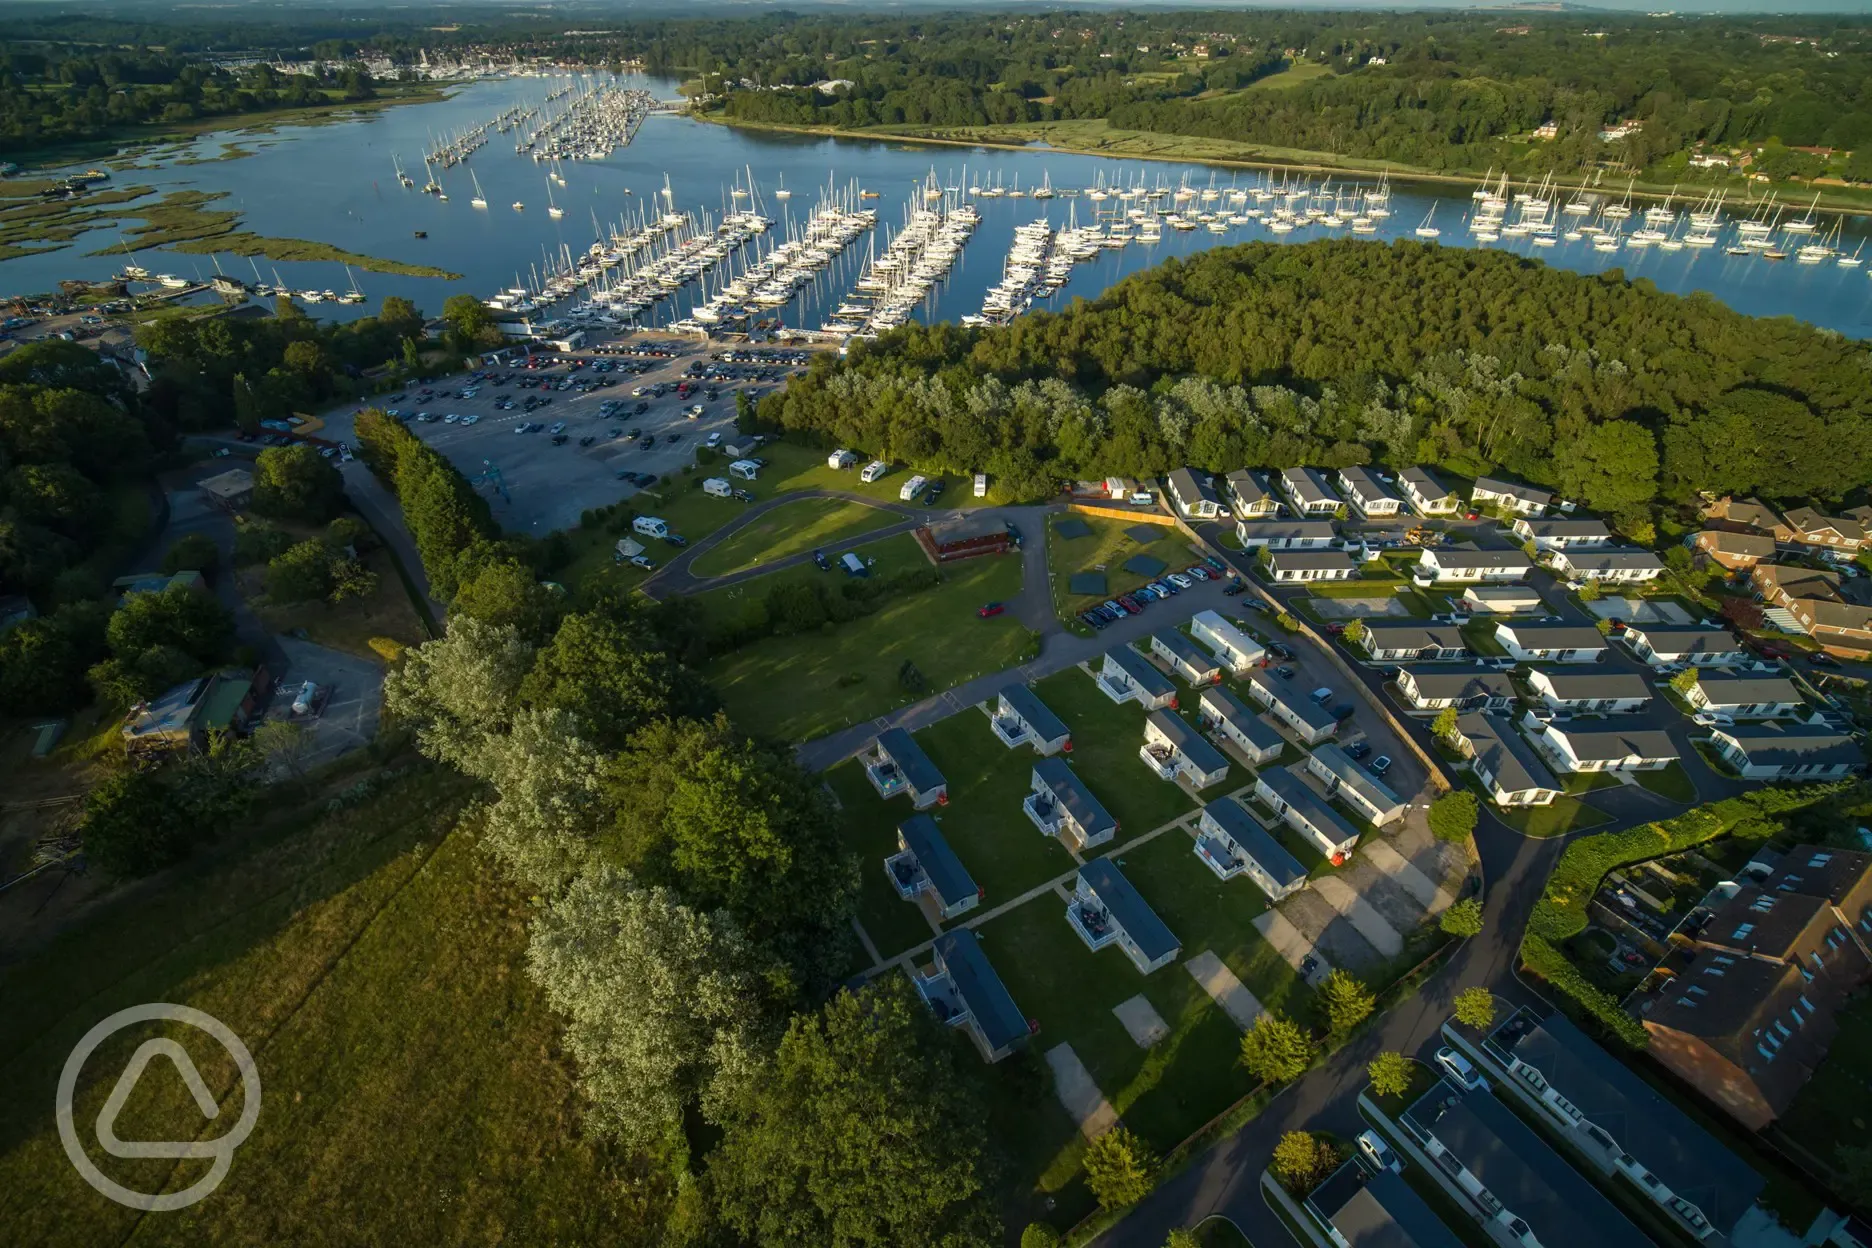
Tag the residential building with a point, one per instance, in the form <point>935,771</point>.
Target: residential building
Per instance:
<point>1503,1168</point>
<point>1379,1210</point>
<point>1410,643</point>
<point>1452,564</point>
<point>1106,909</point>
<point>1185,657</point>
<point>1221,712</point>
<point>1522,500</point>
<point>1061,805</point>
<point>1735,551</point>
<point>1619,567</point>
<point>1827,532</point>
<point>1308,492</point>
<point>1172,748</point>
<point>897,764</point>
<point>1368,495</point>
<point>1502,599</point>
<point>1287,567</point>
<point>1341,776</point>
<point>925,868</point>
<point>231,491</point>
<point>1580,690</point>
<point>1508,768</point>
<point>1788,751</point>
<point>1621,1125</point>
<point>1194,496</point>
<point>966,537</point>
<point>1305,810</point>
<point>1308,720</point>
<point>1782,584</point>
<point>1602,744</point>
<point>1021,718</point>
<point>1249,496</point>
<point>1695,644</point>
<point>1551,643</point>
<point>182,717</point>
<point>1752,515</point>
<point>963,990</point>
<point>1127,676</point>
<point>1465,686</point>
<point>1427,496</point>
<point>1231,842</point>
<point>1745,696</point>
<point>1562,533</point>
<point>1233,646</point>
<point>1286,534</point>
<point>1841,628</point>
<point>1752,1010</point>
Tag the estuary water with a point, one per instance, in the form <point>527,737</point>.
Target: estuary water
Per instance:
<point>336,183</point>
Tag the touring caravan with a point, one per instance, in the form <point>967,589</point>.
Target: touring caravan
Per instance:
<point>746,469</point>
<point>718,487</point>
<point>841,459</point>
<point>981,485</point>
<point>650,526</point>
<point>912,488</point>
<point>874,471</point>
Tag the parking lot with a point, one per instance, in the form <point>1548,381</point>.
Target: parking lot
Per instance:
<point>541,433</point>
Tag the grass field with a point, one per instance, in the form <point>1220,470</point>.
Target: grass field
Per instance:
<point>371,961</point>
<point>1566,814</point>
<point>348,625</point>
<point>1105,550</point>
<point>1297,74</point>
<point>790,529</point>
<point>1106,738</point>
<point>801,687</point>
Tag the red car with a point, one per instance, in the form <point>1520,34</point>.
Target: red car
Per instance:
<point>993,608</point>
<point>1130,603</point>
<point>1336,627</point>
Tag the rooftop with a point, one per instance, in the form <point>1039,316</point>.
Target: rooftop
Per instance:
<point>987,998</point>
<point>1248,486</point>
<point>1309,560</point>
<point>1558,526</point>
<point>1139,671</point>
<point>1380,1211</point>
<point>946,873</point>
<point>1354,777</point>
<point>1287,530</point>
<point>1527,493</point>
<point>1608,740</point>
<point>910,759</point>
<point>1291,699</point>
<point>1501,751</point>
<point>1256,841</point>
<point>1731,688</point>
<point>1188,742</point>
<point>1071,792</point>
<point>1187,485</point>
<point>1367,486</point>
<point>1457,557</point>
<point>1242,717</point>
<point>967,528</point>
<point>1414,637</point>
<point>1685,638</point>
<point>1185,650</point>
<point>1589,685</point>
<point>1038,715</point>
<point>1288,785</point>
<point>1608,560</point>
<point>1128,909</point>
<point>1458,680</point>
<point>1308,485</point>
<point>1425,483</point>
<point>1552,636</point>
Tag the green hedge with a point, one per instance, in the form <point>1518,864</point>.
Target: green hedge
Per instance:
<point>1565,978</point>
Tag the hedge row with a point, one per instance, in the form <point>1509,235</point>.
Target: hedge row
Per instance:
<point>1565,978</point>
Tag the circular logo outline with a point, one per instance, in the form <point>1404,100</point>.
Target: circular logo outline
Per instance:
<point>221,1150</point>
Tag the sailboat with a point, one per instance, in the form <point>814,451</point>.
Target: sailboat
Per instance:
<point>1426,230</point>
<point>552,210</point>
<point>518,206</point>
<point>401,176</point>
<point>1046,186</point>
<point>480,199</point>
<point>1852,261</point>
<point>780,192</point>
<point>354,295</point>
<point>132,271</point>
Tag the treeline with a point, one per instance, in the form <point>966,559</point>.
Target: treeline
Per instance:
<point>450,523</point>
<point>1346,352</point>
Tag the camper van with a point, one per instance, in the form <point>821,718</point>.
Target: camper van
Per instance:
<point>746,469</point>
<point>912,488</point>
<point>874,471</point>
<point>853,565</point>
<point>981,485</point>
<point>650,526</point>
<point>841,459</point>
<point>718,487</point>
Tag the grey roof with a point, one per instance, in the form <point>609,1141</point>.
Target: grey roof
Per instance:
<point>967,528</point>
<point>1355,777</point>
<point>1500,750</point>
<point>1502,593</point>
<point>1458,680</point>
<point>1528,1177</point>
<point>1255,841</point>
<point>910,759</point>
<point>1190,488</point>
<point>1297,793</point>
<point>1039,716</point>
<point>1185,650</point>
<point>1365,485</point>
<point>1071,792</point>
<point>1138,668</point>
<point>1383,1212</point>
<point>1731,688</point>
<point>1615,737</point>
<point>1309,560</point>
<point>1426,484</point>
<point>1528,493</point>
<point>987,998</point>
<point>945,871</point>
<point>1188,742</point>
<point>1686,638</point>
<point>1308,485</point>
<point>1447,557</point>
<point>1242,718</point>
<point>1591,685</point>
<point>1247,486</point>
<point>1553,636</point>
<point>1659,1135</point>
<point>1413,637</point>
<point>1309,712</point>
<point>1288,530</point>
<point>1776,745</point>
<point>1560,526</point>
<point>1608,560</point>
<point>1129,909</point>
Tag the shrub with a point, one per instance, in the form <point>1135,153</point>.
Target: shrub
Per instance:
<point>1390,1073</point>
<point>1444,725</point>
<point>1302,1161</point>
<point>256,541</point>
<point>1039,1235</point>
<point>1453,816</point>
<point>1475,1007</point>
<point>195,552</point>
<point>1464,919</point>
<point>1276,1049</point>
<point>1564,978</point>
<point>1120,1168</point>
<point>1348,1001</point>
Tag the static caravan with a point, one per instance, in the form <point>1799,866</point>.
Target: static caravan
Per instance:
<point>1307,812</point>
<point>650,526</point>
<point>1106,909</point>
<point>963,990</point>
<point>1021,718</point>
<point>1172,748</point>
<point>874,471</point>
<point>1061,805</point>
<point>981,485</point>
<point>1235,648</point>
<point>1231,842</point>
<point>841,459</point>
<point>1221,712</point>
<point>925,868</point>
<point>1344,779</point>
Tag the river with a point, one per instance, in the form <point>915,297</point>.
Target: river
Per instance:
<point>336,183</point>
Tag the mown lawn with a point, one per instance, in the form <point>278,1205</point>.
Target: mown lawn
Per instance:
<point>801,687</point>
<point>1672,782</point>
<point>372,963</point>
<point>1564,815</point>
<point>1106,740</point>
<point>984,821</point>
<point>1105,550</point>
<point>789,529</point>
<point>869,830</point>
<point>734,606</point>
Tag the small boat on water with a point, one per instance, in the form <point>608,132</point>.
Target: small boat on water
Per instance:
<point>480,198</point>
<point>1427,230</point>
<point>518,206</point>
<point>422,233</point>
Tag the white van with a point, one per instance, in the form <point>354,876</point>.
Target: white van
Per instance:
<point>841,459</point>
<point>746,469</point>
<point>981,485</point>
<point>912,488</point>
<point>650,526</point>
<point>718,487</point>
<point>873,471</point>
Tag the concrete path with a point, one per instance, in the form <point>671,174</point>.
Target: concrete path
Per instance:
<point>1079,1093</point>
<point>1291,944</point>
<point>1141,1019</point>
<point>1361,914</point>
<point>1432,896</point>
<point>1224,988</point>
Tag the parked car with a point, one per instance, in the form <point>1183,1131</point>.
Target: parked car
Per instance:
<point>1089,618</point>
<point>1821,658</point>
<point>1180,581</point>
<point>1130,603</point>
<point>1165,588</point>
<point>1335,627</point>
<point>1233,588</point>
<point>1377,1153</point>
<point>1460,1070</point>
<point>1358,750</point>
<point>1284,672</point>
<point>824,564</point>
<point>1279,650</point>
<point>1196,571</point>
<point>675,539</point>
<point>1322,695</point>
<point>1215,563</point>
<point>991,609</point>
<point>641,562</point>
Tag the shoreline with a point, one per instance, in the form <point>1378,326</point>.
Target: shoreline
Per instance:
<point>1390,172</point>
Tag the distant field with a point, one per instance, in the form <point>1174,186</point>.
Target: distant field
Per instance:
<point>1298,74</point>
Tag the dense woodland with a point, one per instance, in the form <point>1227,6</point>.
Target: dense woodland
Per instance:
<point>1343,352</point>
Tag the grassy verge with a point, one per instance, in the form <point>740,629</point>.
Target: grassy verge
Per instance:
<point>1564,815</point>
<point>1104,550</point>
<point>790,529</point>
<point>1672,782</point>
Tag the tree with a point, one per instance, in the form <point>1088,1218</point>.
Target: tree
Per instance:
<point>1453,816</point>
<point>1276,1049</point>
<point>1390,1073</point>
<point>551,797</point>
<point>660,1002</point>
<point>506,593</point>
<point>1039,1235</point>
<point>1120,1168</point>
<point>469,319</point>
<point>1685,682</point>
<point>610,675</point>
<point>193,552</point>
<point>283,744</point>
<point>301,573</point>
<point>1475,1007</point>
<point>179,617</point>
<point>1463,919</point>
<point>865,1129</point>
<point>459,690</point>
<point>1354,632</point>
<point>1855,1173</point>
<point>1444,725</point>
<point>1302,1160</point>
<point>1180,1238</point>
<point>1348,1001</point>
<point>296,483</point>
<point>1590,590</point>
<point>43,661</point>
<point>130,827</point>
